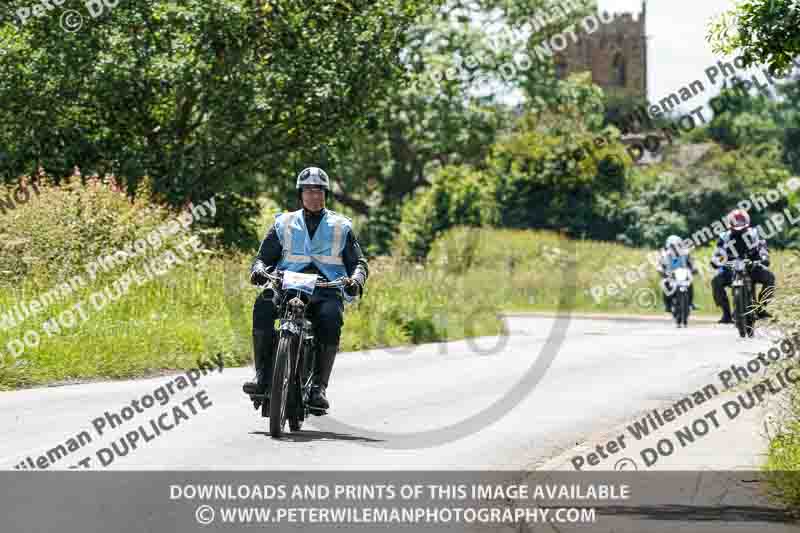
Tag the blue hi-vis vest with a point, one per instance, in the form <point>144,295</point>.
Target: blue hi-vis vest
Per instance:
<point>679,261</point>
<point>324,251</point>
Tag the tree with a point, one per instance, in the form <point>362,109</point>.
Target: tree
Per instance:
<point>762,31</point>
<point>202,95</point>
<point>458,59</point>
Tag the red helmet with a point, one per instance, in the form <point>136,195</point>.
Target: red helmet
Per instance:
<point>739,220</point>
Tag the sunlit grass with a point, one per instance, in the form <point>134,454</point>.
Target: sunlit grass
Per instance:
<point>196,311</point>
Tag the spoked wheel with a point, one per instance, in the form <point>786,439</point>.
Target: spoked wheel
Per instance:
<point>750,321</point>
<point>281,375</point>
<point>296,402</point>
<point>297,390</point>
<point>683,302</point>
<point>675,310</point>
<point>744,314</point>
<point>679,309</point>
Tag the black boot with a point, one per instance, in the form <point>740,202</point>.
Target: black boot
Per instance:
<point>691,298</point>
<point>726,313</point>
<point>323,365</point>
<point>262,360</point>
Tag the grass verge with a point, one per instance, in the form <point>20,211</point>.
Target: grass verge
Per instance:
<point>198,310</point>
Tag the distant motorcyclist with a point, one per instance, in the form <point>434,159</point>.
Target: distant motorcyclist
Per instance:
<point>741,242</point>
<point>311,240</point>
<point>673,256</point>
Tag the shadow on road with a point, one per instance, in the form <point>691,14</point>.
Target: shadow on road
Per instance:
<point>692,513</point>
<point>308,436</point>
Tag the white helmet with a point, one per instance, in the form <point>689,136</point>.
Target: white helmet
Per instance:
<point>673,241</point>
<point>313,176</point>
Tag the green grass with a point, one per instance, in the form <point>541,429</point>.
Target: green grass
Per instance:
<point>192,313</point>
<point>783,460</point>
<point>167,323</point>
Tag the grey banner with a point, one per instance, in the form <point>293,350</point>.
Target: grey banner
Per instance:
<point>83,502</point>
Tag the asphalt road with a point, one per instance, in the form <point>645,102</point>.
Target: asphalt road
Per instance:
<point>392,409</point>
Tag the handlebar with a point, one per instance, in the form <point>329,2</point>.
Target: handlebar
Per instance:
<point>746,261</point>
<point>335,284</point>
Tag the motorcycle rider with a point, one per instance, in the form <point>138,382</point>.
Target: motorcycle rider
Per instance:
<point>311,240</point>
<point>741,241</point>
<point>673,256</point>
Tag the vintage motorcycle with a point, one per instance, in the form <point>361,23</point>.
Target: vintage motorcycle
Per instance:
<point>744,308</point>
<point>677,286</point>
<point>681,280</point>
<point>294,352</point>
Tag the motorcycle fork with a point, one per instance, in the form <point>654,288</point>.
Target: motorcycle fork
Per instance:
<point>749,294</point>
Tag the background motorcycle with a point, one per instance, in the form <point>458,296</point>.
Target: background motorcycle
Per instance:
<point>680,280</point>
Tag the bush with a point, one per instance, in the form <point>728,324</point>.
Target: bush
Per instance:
<point>458,196</point>
<point>63,227</point>
<point>784,449</point>
<point>550,174</point>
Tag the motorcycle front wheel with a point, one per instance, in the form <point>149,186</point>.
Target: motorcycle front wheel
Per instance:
<point>281,377</point>
<point>295,415</point>
<point>742,313</point>
<point>683,308</point>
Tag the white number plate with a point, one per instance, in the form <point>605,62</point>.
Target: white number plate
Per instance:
<point>301,282</point>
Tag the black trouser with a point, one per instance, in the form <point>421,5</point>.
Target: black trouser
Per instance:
<point>326,310</point>
<point>724,278</point>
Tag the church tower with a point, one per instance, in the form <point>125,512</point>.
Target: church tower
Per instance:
<point>615,53</point>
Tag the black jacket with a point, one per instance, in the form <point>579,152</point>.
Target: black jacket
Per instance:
<point>270,252</point>
<point>748,244</point>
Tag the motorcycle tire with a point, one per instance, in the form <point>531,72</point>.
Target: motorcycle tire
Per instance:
<point>683,308</point>
<point>281,379</point>
<point>296,405</point>
<point>740,310</point>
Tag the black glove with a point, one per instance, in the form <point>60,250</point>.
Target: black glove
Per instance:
<point>258,276</point>
<point>352,287</point>
<point>355,285</point>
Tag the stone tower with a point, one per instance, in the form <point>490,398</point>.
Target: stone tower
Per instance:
<point>615,53</point>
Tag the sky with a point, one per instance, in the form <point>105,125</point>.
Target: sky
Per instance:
<point>677,49</point>
<point>678,52</point>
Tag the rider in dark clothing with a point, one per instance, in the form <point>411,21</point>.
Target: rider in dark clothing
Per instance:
<point>326,305</point>
<point>741,242</point>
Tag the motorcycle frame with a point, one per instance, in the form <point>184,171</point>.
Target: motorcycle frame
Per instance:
<point>292,310</point>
